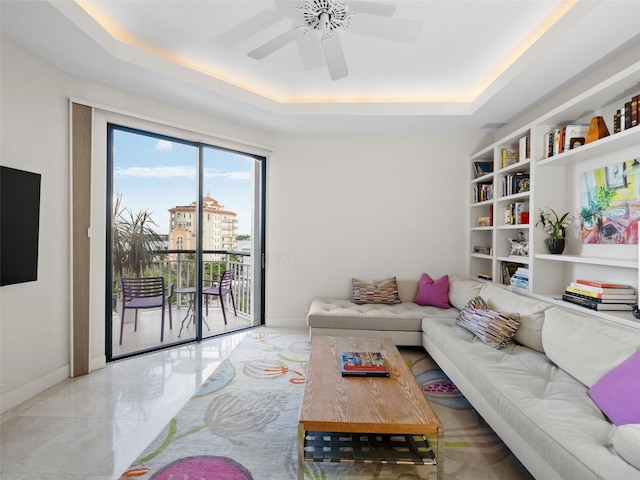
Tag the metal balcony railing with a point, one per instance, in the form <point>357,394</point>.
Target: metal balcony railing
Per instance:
<point>178,267</point>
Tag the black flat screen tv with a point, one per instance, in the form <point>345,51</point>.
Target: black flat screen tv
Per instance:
<point>19,225</point>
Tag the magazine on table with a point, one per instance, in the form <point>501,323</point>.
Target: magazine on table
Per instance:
<point>359,364</point>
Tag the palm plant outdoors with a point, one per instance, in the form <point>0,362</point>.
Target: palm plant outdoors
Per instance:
<point>135,241</point>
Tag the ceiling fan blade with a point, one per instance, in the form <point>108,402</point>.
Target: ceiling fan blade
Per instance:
<point>310,52</point>
<point>274,44</point>
<point>247,28</point>
<point>390,28</point>
<point>372,8</point>
<point>334,55</point>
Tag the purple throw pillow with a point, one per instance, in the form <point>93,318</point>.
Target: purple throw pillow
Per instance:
<point>617,393</point>
<point>432,292</point>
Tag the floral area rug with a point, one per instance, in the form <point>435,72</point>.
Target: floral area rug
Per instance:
<point>242,424</point>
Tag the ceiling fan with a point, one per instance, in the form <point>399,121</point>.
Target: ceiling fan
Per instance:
<point>329,18</point>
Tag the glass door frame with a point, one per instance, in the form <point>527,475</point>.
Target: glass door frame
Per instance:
<point>259,224</point>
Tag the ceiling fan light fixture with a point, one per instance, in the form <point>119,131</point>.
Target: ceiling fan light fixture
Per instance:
<point>325,16</point>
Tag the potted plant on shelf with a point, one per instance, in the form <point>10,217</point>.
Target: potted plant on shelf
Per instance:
<point>556,227</point>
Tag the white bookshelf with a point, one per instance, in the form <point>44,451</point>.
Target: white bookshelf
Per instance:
<point>555,183</point>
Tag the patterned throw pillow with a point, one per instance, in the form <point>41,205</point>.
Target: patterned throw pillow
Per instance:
<point>385,291</point>
<point>492,327</point>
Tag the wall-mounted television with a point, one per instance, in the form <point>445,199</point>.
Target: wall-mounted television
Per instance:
<point>19,225</point>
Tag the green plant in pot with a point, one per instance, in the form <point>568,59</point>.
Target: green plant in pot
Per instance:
<point>556,226</point>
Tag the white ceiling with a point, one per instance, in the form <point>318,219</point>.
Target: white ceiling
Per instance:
<point>475,63</point>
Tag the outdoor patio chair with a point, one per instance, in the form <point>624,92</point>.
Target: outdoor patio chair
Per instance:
<point>220,289</point>
<point>140,293</point>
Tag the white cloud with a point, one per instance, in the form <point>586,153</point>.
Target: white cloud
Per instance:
<point>177,172</point>
<point>156,172</point>
<point>241,176</point>
<point>164,146</point>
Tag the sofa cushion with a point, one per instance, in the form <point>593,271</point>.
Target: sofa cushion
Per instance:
<point>461,290</point>
<point>626,441</point>
<point>531,312</point>
<point>492,327</point>
<point>433,292</point>
<point>343,314</point>
<point>385,292</point>
<point>617,393</point>
<point>584,346</point>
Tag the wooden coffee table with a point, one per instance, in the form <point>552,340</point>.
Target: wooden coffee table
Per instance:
<point>365,419</point>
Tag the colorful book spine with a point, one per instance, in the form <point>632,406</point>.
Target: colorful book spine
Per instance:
<point>621,290</point>
<point>592,294</point>
<point>593,305</point>
<point>630,300</point>
<point>602,284</point>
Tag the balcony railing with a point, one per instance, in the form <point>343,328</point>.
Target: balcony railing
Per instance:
<point>178,267</point>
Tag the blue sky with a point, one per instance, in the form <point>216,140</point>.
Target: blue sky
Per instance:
<point>158,175</point>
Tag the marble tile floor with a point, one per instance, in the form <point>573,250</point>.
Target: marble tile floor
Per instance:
<point>92,427</point>
<point>147,335</point>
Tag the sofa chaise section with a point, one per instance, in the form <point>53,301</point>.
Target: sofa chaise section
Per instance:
<point>401,322</point>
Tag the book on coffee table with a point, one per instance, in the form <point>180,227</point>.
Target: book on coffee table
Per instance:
<point>363,364</point>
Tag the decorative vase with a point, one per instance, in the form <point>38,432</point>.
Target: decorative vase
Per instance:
<point>555,245</point>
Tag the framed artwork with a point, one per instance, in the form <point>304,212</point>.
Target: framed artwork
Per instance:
<point>610,204</point>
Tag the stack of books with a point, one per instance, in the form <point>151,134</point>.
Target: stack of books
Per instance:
<point>520,278</point>
<point>598,295</point>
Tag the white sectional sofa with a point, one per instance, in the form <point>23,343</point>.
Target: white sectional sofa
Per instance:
<point>533,392</point>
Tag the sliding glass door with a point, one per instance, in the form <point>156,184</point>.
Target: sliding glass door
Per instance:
<point>189,217</point>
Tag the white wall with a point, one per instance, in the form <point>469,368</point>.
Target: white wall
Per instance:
<point>365,206</point>
<point>34,316</point>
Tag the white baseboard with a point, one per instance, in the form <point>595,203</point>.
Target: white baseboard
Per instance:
<point>97,363</point>
<point>31,389</point>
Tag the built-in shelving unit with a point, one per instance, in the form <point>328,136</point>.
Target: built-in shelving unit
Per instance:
<point>554,182</point>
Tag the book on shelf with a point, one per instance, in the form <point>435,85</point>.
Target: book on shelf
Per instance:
<point>593,305</point>
<point>524,151</point>
<point>622,289</point>
<point>602,284</point>
<point>623,297</point>
<point>515,183</point>
<point>482,249</point>
<point>482,192</point>
<point>558,141</point>
<point>359,364</point>
<point>516,213</point>
<point>575,135</point>
<point>627,116</point>
<point>484,275</point>
<point>482,168</point>
<point>519,282</point>
<point>509,157</point>
<point>507,269</point>
<point>547,145</point>
<point>520,278</point>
